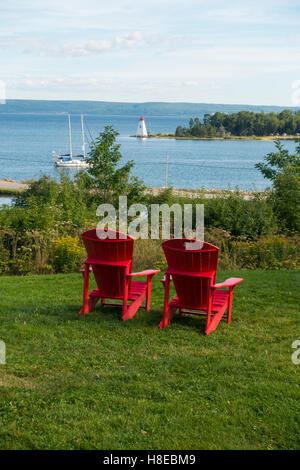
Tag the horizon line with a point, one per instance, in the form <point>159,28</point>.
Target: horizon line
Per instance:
<point>151,102</point>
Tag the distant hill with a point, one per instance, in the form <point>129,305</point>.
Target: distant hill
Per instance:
<point>114,108</point>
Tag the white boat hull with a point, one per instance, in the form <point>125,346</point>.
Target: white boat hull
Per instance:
<point>72,164</point>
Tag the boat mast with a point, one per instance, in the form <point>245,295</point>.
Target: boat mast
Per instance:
<point>83,139</point>
<point>70,136</point>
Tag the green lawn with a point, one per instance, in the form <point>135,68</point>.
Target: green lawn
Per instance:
<point>95,382</point>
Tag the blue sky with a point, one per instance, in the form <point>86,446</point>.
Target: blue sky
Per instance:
<point>155,50</point>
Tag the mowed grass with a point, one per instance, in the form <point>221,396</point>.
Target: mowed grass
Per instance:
<point>95,382</point>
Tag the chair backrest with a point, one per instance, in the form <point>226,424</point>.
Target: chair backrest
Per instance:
<point>180,258</point>
<point>186,267</point>
<point>112,259</point>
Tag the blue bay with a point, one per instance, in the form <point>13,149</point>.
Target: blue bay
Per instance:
<point>27,142</point>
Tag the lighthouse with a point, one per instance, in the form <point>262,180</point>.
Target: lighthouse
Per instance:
<point>141,130</point>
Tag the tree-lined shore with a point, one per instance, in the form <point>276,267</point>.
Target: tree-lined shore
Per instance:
<point>244,125</point>
<point>265,138</point>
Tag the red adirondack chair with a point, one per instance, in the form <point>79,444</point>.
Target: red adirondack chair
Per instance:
<point>110,260</point>
<point>193,273</point>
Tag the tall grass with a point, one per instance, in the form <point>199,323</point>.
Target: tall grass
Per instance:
<point>43,252</point>
<point>273,252</point>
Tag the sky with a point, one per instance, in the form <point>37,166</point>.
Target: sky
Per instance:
<point>243,52</point>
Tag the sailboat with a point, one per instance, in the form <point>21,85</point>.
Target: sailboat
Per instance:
<point>69,160</point>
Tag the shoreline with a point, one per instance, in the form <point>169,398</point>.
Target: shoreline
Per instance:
<point>10,187</point>
<point>265,138</point>
<point>206,193</point>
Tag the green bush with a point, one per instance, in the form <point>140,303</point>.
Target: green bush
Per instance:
<point>243,219</point>
<point>283,170</point>
<point>25,253</point>
<point>68,254</point>
<point>287,200</point>
<point>274,252</point>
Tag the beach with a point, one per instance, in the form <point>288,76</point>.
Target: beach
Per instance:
<point>9,186</point>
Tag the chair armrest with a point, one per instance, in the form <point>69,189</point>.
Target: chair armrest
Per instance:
<point>230,282</point>
<point>147,272</point>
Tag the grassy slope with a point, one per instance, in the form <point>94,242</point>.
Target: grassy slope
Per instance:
<point>95,382</point>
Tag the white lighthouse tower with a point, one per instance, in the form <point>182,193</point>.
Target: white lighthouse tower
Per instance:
<point>141,130</point>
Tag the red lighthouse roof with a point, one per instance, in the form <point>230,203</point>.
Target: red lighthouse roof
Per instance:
<point>142,118</point>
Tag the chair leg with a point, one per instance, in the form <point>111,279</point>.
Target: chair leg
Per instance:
<point>167,294</point>
<point>215,320</point>
<point>133,307</point>
<point>229,304</point>
<point>208,314</point>
<point>148,296</point>
<point>166,284</point>
<point>90,305</point>
<point>86,276</point>
<point>167,318</point>
<point>125,298</point>
<point>148,299</point>
<point>168,313</point>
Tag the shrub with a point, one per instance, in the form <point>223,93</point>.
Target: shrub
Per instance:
<point>243,219</point>
<point>274,252</point>
<point>283,169</point>
<point>287,200</point>
<point>68,254</point>
<point>148,254</point>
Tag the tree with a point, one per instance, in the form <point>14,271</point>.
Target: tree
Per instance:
<point>283,169</point>
<point>217,119</point>
<point>287,199</point>
<point>106,176</point>
<point>179,131</point>
<point>206,118</point>
<point>278,162</point>
<point>222,131</point>
<point>244,123</point>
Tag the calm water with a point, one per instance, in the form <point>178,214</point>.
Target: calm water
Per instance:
<point>5,200</point>
<point>27,142</point>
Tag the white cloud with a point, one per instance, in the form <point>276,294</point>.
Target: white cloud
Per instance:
<point>163,49</point>
<point>130,40</point>
<point>87,48</point>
